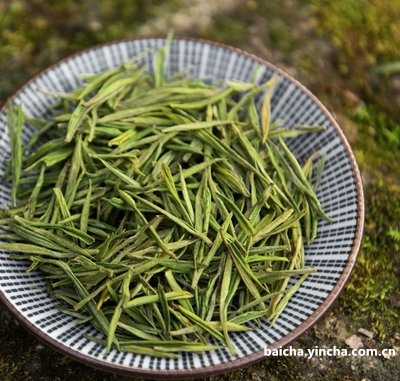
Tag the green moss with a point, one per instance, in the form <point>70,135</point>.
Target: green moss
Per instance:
<point>364,33</point>
<point>36,33</point>
<point>363,30</point>
<point>225,29</point>
<point>271,21</point>
<point>373,292</point>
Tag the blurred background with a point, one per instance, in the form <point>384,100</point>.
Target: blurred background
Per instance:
<point>347,52</point>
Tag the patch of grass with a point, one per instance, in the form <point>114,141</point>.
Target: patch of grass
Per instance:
<point>377,145</point>
<point>386,130</point>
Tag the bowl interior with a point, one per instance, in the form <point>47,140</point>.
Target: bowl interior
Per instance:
<point>332,253</point>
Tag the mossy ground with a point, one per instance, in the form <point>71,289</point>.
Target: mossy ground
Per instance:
<point>333,48</point>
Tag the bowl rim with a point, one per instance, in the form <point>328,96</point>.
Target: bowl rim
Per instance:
<point>256,356</point>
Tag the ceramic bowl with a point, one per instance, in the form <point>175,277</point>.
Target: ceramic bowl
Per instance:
<point>333,253</point>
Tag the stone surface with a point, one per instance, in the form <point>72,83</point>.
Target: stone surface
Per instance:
<point>354,342</point>
<point>366,333</point>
